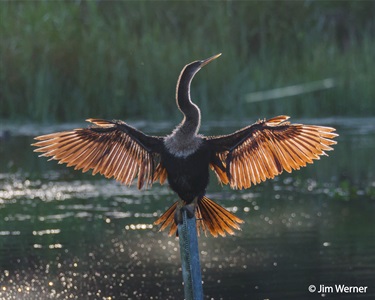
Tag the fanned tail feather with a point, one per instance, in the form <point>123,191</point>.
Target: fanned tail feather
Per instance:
<point>167,219</point>
<point>211,217</point>
<point>215,218</point>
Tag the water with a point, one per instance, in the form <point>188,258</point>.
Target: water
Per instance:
<point>67,235</point>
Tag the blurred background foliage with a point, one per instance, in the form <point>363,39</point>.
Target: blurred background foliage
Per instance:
<point>65,61</point>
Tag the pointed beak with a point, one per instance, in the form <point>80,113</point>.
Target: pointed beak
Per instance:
<point>208,60</point>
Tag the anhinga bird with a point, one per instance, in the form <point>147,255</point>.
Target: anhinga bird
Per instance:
<point>241,159</point>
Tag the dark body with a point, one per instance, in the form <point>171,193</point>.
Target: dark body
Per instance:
<point>188,176</point>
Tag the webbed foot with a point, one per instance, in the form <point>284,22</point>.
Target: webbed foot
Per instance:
<point>190,212</point>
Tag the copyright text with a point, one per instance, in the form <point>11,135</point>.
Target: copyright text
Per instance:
<point>337,288</point>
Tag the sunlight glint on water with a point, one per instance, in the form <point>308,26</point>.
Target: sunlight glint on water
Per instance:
<point>67,235</point>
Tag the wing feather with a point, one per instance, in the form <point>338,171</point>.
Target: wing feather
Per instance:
<point>263,150</point>
<point>111,148</point>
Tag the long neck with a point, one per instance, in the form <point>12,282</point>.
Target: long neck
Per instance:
<point>192,116</point>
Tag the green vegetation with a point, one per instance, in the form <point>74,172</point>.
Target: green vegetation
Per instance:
<point>63,61</point>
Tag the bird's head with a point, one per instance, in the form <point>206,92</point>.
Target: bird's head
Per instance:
<point>208,60</point>
<point>195,66</point>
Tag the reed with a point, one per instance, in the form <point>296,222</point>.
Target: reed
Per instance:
<point>64,61</point>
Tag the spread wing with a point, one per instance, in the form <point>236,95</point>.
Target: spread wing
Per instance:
<point>111,148</point>
<point>266,148</point>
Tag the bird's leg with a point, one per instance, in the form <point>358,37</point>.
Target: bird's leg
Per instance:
<point>181,207</point>
<point>190,208</point>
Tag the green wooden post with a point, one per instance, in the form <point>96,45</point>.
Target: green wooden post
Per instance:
<point>191,269</point>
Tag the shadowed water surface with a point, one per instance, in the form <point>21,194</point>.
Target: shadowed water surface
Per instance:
<point>67,235</point>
